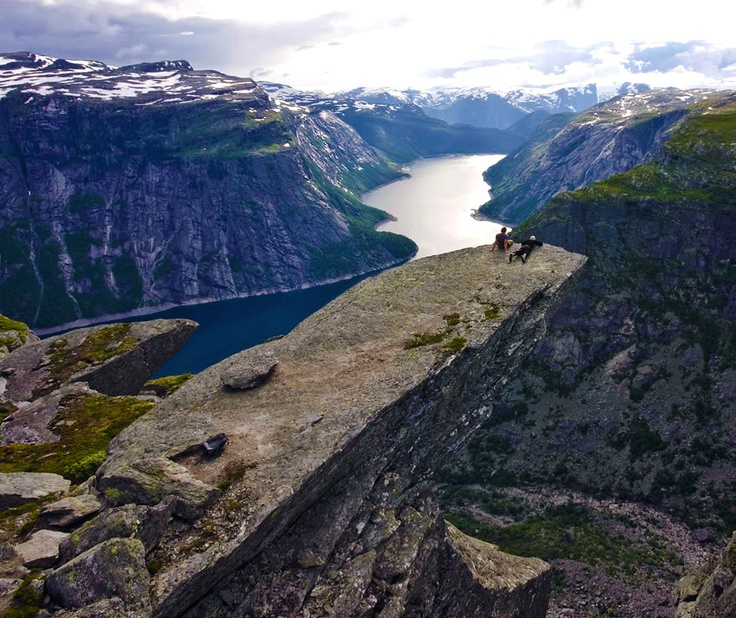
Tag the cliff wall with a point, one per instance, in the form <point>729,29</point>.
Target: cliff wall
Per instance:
<point>629,397</point>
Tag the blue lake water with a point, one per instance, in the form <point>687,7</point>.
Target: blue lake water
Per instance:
<point>229,326</point>
<point>433,208</point>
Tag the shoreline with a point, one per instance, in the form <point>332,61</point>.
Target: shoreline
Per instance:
<point>144,311</point>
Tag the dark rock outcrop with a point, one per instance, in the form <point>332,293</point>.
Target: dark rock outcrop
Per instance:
<point>115,569</point>
<point>630,395</point>
<point>709,590</point>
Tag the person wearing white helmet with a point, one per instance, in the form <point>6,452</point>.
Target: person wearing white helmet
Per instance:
<point>526,248</point>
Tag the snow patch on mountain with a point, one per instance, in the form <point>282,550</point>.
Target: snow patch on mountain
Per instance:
<point>151,83</point>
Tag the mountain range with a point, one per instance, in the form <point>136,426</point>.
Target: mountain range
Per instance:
<point>138,187</point>
<point>477,106</point>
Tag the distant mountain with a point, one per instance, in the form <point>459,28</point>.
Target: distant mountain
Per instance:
<point>478,106</point>
<point>394,123</point>
<point>155,184</point>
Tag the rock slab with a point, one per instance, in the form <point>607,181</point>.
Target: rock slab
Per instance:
<point>17,488</point>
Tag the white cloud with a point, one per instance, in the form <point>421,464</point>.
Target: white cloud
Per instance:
<point>330,44</point>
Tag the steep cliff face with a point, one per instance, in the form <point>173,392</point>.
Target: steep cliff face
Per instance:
<point>568,152</point>
<point>321,502</point>
<point>151,185</point>
<point>630,396</point>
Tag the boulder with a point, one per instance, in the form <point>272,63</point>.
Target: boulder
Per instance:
<point>148,481</point>
<point>115,568</point>
<point>30,424</point>
<point>17,488</point>
<point>114,359</point>
<point>128,521</point>
<point>41,551</point>
<point>69,512</point>
<point>250,370</point>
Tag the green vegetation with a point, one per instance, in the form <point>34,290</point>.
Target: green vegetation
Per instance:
<point>27,600</point>
<point>456,497</point>
<point>168,384</point>
<point>82,204</point>
<point>493,312</point>
<point>455,345</point>
<point>421,339</point>
<point>452,319</point>
<point>128,279</point>
<point>233,472</point>
<point>569,532</point>
<point>85,424</point>
<point>57,306</point>
<point>8,325</point>
<point>20,289</point>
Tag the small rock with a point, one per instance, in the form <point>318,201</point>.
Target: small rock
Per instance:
<point>41,551</point>
<point>148,481</point>
<point>250,370</point>
<point>17,488</point>
<point>702,535</point>
<point>130,521</point>
<point>8,586</point>
<point>307,558</point>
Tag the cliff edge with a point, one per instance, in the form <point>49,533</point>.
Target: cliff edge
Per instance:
<point>321,501</point>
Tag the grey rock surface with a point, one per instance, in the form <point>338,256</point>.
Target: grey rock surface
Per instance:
<point>129,354</point>
<point>334,445</point>
<point>30,424</point>
<point>115,568</point>
<point>129,521</point>
<point>18,488</point>
<point>252,372</point>
<point>150,480</point>
<point>41,550</point>
<point>69,512</point>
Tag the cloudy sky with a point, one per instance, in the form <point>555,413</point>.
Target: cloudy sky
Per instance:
<point>333,45</point>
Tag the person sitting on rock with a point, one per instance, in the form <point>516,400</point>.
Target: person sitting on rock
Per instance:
<point>526,248</point>
<point>502,241</point>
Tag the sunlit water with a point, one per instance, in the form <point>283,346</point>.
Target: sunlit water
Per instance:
<point>434,206</point>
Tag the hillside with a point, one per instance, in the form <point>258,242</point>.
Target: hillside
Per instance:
<point>568,152</point>
<point>155,184</point>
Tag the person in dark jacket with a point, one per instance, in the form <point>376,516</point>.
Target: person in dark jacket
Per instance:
<point>502,241</point>
<point>526,248</point>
